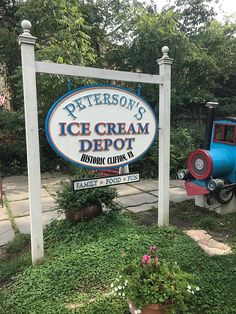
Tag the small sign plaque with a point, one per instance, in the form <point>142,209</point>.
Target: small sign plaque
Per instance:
<point>105,181</point>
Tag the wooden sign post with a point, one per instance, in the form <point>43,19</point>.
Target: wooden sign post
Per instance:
<point>29,69</point>
<point>27,43</point>
<point>164,138</point>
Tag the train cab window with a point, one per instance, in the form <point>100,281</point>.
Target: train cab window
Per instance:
<point>229,133</point>
<point>225,133</point>
<point>219,132</point>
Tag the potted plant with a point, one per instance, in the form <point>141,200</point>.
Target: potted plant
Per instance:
<point>84,205</point>
<point>151,285</point>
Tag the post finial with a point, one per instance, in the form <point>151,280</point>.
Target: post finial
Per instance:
<point>26,37</point>
<point>165,51</point>
<point>165,59</point>
<point>26,26</point>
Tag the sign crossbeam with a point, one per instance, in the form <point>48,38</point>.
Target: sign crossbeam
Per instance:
<point>74,70</point>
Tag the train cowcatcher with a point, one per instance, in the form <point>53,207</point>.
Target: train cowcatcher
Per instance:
<point>211,170</point>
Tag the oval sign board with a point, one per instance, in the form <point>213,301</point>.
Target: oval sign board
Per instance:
<point>101,126</point>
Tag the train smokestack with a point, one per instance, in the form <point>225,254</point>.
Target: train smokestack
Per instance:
<point>210,119</point>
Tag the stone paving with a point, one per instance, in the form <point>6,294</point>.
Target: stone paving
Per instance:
<point>135,197</point>
<point>208,244</point>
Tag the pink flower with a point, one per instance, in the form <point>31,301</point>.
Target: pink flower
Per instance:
<point>146,259</point>
<point>153,248</point>
<point>156,259</point>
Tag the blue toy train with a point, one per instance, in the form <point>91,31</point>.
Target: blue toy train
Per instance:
<point>211,170</point>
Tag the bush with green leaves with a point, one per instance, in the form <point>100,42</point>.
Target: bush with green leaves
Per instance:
<point>12,142</point>
<point>183,140</point>
<point>150,279</point>
<point>68,199</point>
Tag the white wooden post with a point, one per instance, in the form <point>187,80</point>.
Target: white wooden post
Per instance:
<point>27,43</point>
<point>124,170</point>
<point>164,138</point>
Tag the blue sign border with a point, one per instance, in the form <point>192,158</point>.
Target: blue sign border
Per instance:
<point>84,88</point>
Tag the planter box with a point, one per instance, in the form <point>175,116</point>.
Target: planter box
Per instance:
<point>85,214</point>
<point>150,309</point>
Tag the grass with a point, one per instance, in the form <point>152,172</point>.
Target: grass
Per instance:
<point>10,215</point>
<point>82,260</point>
<point>14,258</point>
<point>222,227</point>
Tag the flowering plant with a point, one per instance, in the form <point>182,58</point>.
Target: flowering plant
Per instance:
<point>152,280</point>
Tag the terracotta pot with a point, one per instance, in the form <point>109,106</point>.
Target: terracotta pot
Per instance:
<point>151,308</point>
<point>85,214</point>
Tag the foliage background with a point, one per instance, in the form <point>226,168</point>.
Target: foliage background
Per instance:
<point>122,35</point>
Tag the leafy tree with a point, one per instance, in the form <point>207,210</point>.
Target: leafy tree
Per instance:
<point>62,37</point>
<point>199,71</point>
<point>219,43</point>
<point>12,142</point>
<point>9,49</point>
<point>112,23</point>
<point>61,31</point>
<point>194,15</point>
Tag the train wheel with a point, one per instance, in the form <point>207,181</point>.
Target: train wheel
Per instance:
<point>224,196</point>
<point>211,199</point>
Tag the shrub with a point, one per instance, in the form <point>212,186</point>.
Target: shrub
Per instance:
<point>69,200</point>
<point>12,143</point>
<point>184,139</point>
<point>152,280</point>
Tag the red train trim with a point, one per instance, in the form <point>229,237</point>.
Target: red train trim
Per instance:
<point>194,189</point>
<point>205,155</point>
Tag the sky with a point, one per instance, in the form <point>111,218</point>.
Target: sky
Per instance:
<point>224,7</point>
